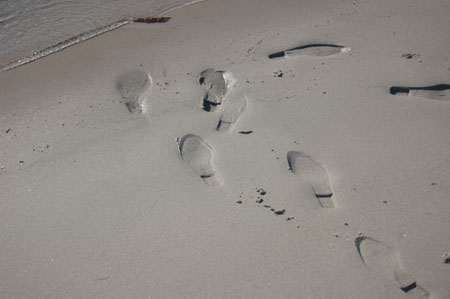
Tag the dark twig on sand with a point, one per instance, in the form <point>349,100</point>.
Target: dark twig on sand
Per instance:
<point>151,20</point>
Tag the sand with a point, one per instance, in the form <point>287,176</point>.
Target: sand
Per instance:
<point>103,199</point>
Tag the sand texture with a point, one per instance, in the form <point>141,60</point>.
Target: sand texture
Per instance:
<point>243,149</point>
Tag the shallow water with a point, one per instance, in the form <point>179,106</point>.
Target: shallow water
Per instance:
<point>28,26</point>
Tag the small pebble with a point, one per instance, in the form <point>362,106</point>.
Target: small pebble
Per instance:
<point>279,212</point>
<point>239,201</point>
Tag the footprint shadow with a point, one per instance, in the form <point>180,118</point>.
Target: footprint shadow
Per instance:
<point>434,92</point>
<point>231,110</point>
<point>134,87</point>
<point>216,84</point>
<point>315,174</point>
<point>320,50</point>
<point>385,260</point>
<point>198,155</point>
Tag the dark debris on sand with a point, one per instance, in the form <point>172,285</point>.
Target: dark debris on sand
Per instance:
<point>151,20</point>
<point>279,212</point>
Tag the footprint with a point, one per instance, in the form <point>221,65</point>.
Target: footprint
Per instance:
<point>134,87</point>
<point>386,261</point>
<point>312,50</point>
<point>216,84</point>
<point>231,111</point>
<point>313,173</point>
<point>435,92</point>
<point>198,154</point>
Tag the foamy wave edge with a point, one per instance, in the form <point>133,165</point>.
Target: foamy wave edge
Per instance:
<point>64,44</point>
<point>81,38</point>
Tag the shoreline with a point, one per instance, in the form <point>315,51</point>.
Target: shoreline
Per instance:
<point>84,37</point>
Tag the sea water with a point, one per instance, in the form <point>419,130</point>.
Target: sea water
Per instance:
<point>30,29</point>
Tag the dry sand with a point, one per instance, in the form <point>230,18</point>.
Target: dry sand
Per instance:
<point>100,200</point>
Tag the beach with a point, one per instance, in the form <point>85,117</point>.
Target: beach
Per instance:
<point>257,149</point>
